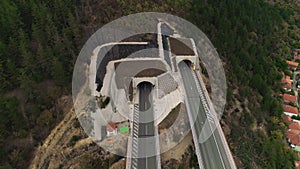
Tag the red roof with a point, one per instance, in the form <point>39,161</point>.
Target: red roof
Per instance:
<point>111,126</point>
<point>289,98</point>
<point>293,136</point>
<point>286,82</point>
<point>290,109</point>
<point>297,164</point>
<point>297,57</point>
<point>294,126</point>
<point>288,79</point>
<point>292,64</point>
<point>287,119</point>
<point>288,86</point>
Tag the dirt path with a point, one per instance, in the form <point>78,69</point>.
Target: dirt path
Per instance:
<point>52,152</point>
<point>59,151</point>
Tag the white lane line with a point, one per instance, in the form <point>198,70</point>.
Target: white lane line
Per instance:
<point>190,116</point>
<point>219,152</point>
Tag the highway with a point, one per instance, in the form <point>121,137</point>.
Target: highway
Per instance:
<point>145,128</point>
<point>212,151</point>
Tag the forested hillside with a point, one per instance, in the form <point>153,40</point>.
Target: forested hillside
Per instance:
<point>40,41</point>
<point>251,38</point>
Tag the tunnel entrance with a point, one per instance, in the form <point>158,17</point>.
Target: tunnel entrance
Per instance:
<point>187,62</point>
<point>145,83</point>
<point>145,99</point>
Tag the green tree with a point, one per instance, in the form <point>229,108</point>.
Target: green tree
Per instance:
<point>58,72</point>
<point>9,19</point>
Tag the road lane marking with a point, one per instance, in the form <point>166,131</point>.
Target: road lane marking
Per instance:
<point>205,111</point>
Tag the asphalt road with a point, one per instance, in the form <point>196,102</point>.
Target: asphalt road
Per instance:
<point>212,151</point>
<point>146,127</point>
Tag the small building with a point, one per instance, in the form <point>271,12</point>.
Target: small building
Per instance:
<point>287,98</point>
<point>111,129</point>
<point>286,83</point>
<point>294,126</point>
<point>288,79</point>
<point>293,137</point>
<point>292,65</point>
<point>290,110</point>
<point>287,119</point>
<point>297,57</point>
<point>297,164</point>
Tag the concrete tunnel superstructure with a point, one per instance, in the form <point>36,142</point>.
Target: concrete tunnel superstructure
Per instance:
<point>136,81</point>
<point>183,49</point>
